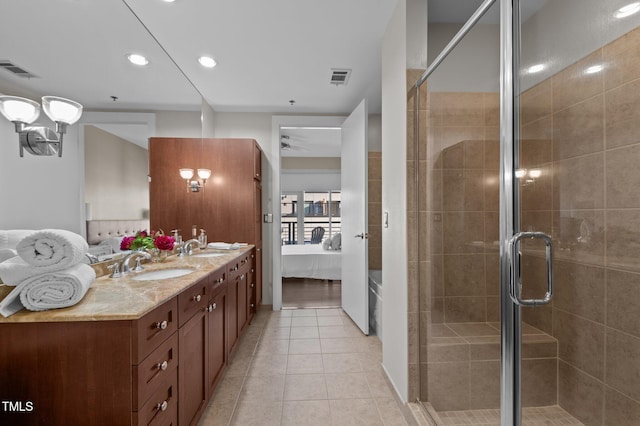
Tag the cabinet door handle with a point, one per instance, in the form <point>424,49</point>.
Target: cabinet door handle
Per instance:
<point>252,285</point>
<point>197,298</point>
<point>162,365</point>
<point>162,325</point>
<point>219,280</point>
<point>241,277</point>
<point>214,306</point>
<point>162,406</point>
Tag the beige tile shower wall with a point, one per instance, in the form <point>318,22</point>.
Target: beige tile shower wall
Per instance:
<point>583,132</point>
<point>463,206</point>
<point>375,210</point>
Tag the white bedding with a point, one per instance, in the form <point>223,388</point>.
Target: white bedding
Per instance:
<point>311,261</point>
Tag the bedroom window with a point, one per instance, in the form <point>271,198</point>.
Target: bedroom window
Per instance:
<point>302,212</point>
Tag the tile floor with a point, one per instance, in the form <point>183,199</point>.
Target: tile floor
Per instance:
<point>304,367</point>
<point>309,293</point>
<point>533,416</point>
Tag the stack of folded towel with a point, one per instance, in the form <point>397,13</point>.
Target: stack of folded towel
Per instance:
<point>47,272</point>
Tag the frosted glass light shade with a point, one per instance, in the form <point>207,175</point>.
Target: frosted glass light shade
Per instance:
<point>186,173</point>
<point>19,109</point>
<point>204,173</point>
<point>61,110</point>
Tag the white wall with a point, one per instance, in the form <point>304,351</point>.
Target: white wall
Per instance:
<point>40,192</point>
<point>116,185</point>
<point>179,124</point>
<point>309,180</point>
<point>374,133</point>
<point>394,201</point>
<point>473,66</point>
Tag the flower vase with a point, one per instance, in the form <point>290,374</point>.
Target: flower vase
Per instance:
<point>158,255</point>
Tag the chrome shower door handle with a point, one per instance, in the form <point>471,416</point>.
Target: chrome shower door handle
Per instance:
<point>515,287</point>
<point>364,235</point>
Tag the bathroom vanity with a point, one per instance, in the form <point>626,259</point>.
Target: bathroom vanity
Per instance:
<point>131,352</point>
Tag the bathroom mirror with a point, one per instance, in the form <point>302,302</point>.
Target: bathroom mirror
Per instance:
<point>85,59</point>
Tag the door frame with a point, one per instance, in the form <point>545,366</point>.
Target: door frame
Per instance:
<point>278,121</point>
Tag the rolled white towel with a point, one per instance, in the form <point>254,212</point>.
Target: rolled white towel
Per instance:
<point>6,254</point>
<point>52,290</point>
<point>52,247</point>
<point>9,238</point>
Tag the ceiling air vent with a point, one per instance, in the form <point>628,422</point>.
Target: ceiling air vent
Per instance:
<point>16,70</point>
<point>339,77</point>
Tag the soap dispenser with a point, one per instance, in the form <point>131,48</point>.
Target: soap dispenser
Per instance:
<point>202,239</point>
<point>177,236</point>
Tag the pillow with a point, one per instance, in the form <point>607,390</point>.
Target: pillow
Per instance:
<point>326,244</point>
<point>336,241</point>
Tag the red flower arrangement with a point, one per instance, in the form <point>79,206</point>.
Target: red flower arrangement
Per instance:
<point>144,240</point>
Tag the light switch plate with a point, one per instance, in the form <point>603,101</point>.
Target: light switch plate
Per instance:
<point>268,218</point>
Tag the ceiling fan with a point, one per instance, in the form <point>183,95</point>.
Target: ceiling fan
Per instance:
<point>286,145</point>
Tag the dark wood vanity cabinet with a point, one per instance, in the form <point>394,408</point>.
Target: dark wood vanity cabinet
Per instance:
<point>160,369</point>
<point>228,207</point>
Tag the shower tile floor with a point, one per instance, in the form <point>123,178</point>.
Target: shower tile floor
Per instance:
<point>533,416</point>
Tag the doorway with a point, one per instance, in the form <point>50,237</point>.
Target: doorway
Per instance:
<point>311,220</point>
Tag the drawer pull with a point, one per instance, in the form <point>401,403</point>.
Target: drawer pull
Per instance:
<point>252,285</point>
<point>252,256</point>
<point>162,365</point>
<point>214,306</point>
<point>243,261</point>
<point>253,306</point>
<point>219,280</point>
<point>241,277</point>
<point>162,325</point>
<point>197,298</point>
<point>162,406</point>
<point>252,270</point>
<point>235,268</point>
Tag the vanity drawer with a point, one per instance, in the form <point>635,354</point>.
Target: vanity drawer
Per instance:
<point>160,364</point>
<point>239,265</point>
<point>162,406</point>
<point>192,300</point>
<point>153,329</point>
<point>217,279</point>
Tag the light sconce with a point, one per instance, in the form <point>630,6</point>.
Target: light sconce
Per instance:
<point>40,140</point>
<point>195,185</point>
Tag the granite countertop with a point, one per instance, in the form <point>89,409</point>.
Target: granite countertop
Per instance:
<point>123,298</point>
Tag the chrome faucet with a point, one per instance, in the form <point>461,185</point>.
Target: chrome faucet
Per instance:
<point>187,247</point>
<point>92,258</point>
<point>132,255</point>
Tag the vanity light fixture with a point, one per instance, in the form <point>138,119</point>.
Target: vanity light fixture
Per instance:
<point>40,140</point>
<point>195,185</point>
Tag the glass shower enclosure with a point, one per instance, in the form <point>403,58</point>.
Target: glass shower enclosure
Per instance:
<point>527,149</point>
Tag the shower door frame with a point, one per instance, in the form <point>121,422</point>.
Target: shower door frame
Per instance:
<point>510,312</point>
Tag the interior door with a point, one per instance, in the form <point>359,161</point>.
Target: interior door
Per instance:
<point>354,217</point>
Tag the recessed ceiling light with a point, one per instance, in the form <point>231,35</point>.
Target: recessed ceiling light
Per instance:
<point>627,10</point>
<point>594,69</point>
<point>137,59</point>
<point>535,68</point>
<point>207,61</point>
<point>168,1</point>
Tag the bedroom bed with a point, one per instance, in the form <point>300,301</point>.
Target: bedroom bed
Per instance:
<point>311,261</point>
<point>104,236</point>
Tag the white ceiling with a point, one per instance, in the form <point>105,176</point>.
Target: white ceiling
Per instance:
<point>316,142</point>
<point>268,52</point>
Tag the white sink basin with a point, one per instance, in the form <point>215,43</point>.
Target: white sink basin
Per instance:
<point>162,274</point>
<point>208,255</point>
